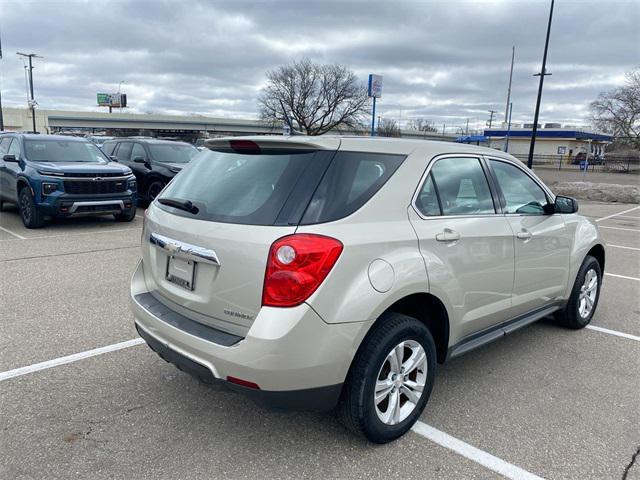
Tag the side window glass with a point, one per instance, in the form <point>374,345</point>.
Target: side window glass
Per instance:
<point>462,187</point>
<point>124,152</point>
<point>108,148</point>
<point>14,149</point>
<point>138,151</point>
<point>4,145</point>
<point>427,200</point>
<point>521,193</point>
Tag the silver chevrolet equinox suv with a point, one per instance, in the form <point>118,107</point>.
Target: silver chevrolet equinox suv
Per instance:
<point>337,272</point>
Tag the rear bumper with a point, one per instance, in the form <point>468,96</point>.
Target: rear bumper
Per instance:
<point>297,360</point>
<point>321,398</point>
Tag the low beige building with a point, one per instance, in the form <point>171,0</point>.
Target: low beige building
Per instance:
<point>565,142</point>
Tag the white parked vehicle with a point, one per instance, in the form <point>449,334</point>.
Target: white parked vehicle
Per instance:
<point>322,272</point>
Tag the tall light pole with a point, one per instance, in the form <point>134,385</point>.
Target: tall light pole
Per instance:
<point>506,110</point>
<point>32,101</point>
<point>542,74</point>
<point>119,99</point>
<point>510,110</point>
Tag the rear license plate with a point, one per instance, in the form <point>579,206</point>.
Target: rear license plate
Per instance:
<point>181,272</point>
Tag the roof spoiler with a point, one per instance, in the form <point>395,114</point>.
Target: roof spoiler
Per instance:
<point>256,144</point>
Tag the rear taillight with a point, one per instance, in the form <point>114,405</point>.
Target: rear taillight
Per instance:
<point>296,267</point>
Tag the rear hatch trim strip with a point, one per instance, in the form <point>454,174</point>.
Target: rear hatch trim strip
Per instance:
<point>184,250</point>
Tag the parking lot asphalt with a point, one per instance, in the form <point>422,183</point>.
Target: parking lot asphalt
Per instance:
<point>544,402</point>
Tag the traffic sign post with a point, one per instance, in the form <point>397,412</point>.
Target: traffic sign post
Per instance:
<point>374,90</point>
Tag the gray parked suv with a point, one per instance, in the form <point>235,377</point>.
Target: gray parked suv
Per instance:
<point>322,272</point>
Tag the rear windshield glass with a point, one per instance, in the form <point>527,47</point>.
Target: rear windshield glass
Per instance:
<point>350,181</point>
<point>166,153</point>
<point>62,151</point>
<point>238,188</point>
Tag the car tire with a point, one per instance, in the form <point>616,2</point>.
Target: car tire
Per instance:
<point>126,217</point>
<point>153,189</point>
<point>584,297</point>
<point>366,403</point>
<point>31,216</point>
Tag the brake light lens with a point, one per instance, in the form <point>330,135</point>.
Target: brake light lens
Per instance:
<point>244,146</point>
<point>296,267</point>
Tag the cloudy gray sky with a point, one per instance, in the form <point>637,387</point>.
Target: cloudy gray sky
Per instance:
<point>444,60</point>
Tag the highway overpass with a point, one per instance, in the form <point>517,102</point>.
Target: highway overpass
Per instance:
<point>188,127</point>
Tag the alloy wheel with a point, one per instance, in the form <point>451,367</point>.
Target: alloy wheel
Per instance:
<point>154,189</point>
<point>25,207</point>
<point>588,293</point>
<point>400,382</point>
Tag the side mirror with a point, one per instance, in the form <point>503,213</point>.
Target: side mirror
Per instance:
<point>565,205</point>
<point>10,158</point>
<point>113,158</point>
<point>139,160</point>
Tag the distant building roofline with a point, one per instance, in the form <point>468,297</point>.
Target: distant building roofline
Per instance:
<point>565,133</point>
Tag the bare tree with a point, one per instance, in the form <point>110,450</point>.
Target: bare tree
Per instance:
<point>618,111</point>
<point>388,128</point>
<point>422,125</point>
<point>319,98</point>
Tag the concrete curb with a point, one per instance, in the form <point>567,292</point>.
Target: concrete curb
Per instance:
<point>602,192</point>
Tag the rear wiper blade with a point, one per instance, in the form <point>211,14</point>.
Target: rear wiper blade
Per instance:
<point>185,205</point>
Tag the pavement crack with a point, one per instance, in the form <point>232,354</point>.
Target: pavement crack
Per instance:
<point>634,457</point>
<point>69,253</point>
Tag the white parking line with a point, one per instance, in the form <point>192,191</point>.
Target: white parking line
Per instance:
<point>68,359</point>
<point>443,439</point>
<point>12,233</point>
<point>74,234</point>
<point>614,332</point>
<point>622,276</point>
<point>628,217</point>
<point>618,228</point>
<point>617,214</point>
<point>622,246</point>
<point>472,453</point>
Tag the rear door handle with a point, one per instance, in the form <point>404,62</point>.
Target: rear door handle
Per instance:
<point>448,235</point>
<point>524,235</point>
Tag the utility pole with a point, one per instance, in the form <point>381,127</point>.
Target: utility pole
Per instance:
<point>506,111</point>
<point>542,74</point>
<point>32,101</point>
<point>491,112</point>
<point>467,127</point>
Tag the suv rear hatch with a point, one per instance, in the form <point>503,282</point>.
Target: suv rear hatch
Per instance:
<point>207,236</point>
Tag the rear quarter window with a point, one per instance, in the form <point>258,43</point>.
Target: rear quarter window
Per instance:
<point>349,182</point>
